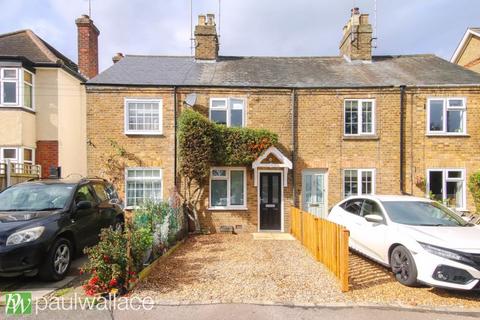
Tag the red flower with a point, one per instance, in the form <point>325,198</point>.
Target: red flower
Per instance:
<point>94,280</point>
<point>106,258</point>
<point>113,283</point>
<point>131,273</point>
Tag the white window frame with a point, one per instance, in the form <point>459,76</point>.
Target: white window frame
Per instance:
<point>359,182</point>
<point>446,179</point>
<point>17,154</point>
<point>33,90</point>
<point>32,162</point>
<point>228,108</point>
<point>445,109</point>
<point>127,179</point>
<point>360,117</point>
<point>127,131</point>
<point>227,178</point>
<point>9,80</point>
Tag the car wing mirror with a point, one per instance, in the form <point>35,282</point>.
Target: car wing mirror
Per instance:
<point>84,205</point>
<point>374,218</point>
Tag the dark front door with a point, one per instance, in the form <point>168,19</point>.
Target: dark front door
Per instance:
<point>270,201</point>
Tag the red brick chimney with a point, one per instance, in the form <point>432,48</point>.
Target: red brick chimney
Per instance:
<point>87,46</point>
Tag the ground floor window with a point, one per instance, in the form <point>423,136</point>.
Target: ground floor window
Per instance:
<point>228,188</point>
<point>17,155</point>
<point>143,184</point>
<point>447,186</point>
<point>358,182</point>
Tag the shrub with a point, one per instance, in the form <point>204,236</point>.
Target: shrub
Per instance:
<point>474,187</point>
<point>107,263</point>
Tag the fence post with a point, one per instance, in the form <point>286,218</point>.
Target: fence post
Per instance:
<point>344,259</point>
<point>8,173</point>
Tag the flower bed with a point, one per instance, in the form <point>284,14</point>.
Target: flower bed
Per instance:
<point>114,263</point>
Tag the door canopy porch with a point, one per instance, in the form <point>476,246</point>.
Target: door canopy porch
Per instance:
<point>272,158</point>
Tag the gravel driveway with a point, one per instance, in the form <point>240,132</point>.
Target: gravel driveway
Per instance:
<point>236,269</point>
<point>224,268</point>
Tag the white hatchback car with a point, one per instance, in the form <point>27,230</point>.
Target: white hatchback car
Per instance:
<point>421,240</point>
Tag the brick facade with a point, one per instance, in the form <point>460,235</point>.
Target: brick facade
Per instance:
<point>319,138</point>
<point>47,156</point>
<point>87,46</point>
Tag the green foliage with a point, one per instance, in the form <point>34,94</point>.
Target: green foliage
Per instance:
<point>240,146</point>
<point>204,143</point>
<point>474,187</point>
<point>140,242</point>
<point>107,263</point>
<point>195,136</point>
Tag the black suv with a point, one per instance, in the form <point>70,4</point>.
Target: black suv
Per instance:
<point>44,223</point>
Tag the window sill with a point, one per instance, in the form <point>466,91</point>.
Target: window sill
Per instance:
<point>361,137</point>
<point>448,135</point>
<point>130,133</point>
<point>14,107</point>
<point>227,209</point>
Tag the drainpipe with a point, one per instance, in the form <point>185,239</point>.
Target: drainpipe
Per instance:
<point>175,136</point>
<point>402,137</point>
<point>294,145</point>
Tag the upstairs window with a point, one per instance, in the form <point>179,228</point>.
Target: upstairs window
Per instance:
<point>9,86</point>
<point>143,116</point>
<point>27,89</point>
<point>359,117</point>
<point>228,111</point>
<point>446,116</point>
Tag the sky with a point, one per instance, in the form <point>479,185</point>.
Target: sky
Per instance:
<point>247,27</point>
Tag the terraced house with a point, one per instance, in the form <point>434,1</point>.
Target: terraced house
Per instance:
<point>347,124</point>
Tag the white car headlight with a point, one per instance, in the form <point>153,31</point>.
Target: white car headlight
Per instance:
<point>445,253</point>
<point>26,235</point>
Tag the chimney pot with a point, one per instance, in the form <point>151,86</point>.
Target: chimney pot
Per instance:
<point>206,38</point>
<point>117,57</point>
<point>355,11</point>
<point>210,19</point>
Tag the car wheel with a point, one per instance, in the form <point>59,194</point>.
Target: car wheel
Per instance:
<point>58,261</point>
<point>403,266</point>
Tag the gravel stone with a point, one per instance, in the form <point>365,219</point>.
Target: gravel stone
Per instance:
<point>224,268</point>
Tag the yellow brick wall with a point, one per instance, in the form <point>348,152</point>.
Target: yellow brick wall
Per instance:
<point>470,58</point>
<point>320,140</point>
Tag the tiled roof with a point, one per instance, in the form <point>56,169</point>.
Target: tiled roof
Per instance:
<point>300,72</point>
<point>25,43</point>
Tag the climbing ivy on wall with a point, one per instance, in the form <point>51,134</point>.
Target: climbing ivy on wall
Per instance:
<point>203,144</point>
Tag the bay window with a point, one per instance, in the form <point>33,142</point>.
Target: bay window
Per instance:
<point>16,88</point>
<point>358,182</point>
<point>9,86</point>
<point>228,111</point>
<point>447,186</point>
<point>446,116</point>
<point>227,188</point>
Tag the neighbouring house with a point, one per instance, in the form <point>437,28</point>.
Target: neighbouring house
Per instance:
<point>42,101</point>
<point>347,124</point>
<point>467,53</point>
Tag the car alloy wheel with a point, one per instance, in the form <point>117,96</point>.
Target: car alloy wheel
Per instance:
<point>61,259</point>
<point>403,266</point>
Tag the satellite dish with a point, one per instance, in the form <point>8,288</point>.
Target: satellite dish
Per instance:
<point>190,99</point>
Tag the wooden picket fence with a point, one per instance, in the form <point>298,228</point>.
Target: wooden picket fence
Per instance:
<point>325,240</point>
